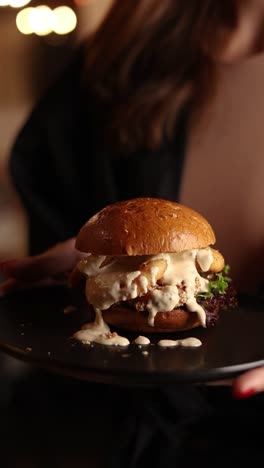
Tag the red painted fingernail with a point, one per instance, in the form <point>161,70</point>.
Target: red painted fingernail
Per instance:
<point>240,395</point>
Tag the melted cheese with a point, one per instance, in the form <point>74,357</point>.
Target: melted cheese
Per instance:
<point>182,283</point>
<point>118,279</point>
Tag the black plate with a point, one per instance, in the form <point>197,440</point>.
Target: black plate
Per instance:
<point>34,328</point>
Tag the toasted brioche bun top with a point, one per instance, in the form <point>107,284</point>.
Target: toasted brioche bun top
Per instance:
<point>144,226</point>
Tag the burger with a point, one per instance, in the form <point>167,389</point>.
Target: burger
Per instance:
<point>151,268</point>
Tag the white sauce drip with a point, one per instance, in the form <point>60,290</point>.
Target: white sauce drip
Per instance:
<point>142,340</point>
<point>99,332</point>
<point>110,280</point>
<point>113,282</point>
<point>205,258</point>
<point>186,342</point>
<point>92,265</point>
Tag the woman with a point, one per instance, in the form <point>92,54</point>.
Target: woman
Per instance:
<point>115,124</point>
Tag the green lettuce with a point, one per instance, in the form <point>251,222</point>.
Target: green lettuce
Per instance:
<point>218,283</point>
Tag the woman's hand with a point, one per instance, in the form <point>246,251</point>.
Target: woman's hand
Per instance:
<point>249,383</point>
<point>53,267</point>
<point>245,385</point>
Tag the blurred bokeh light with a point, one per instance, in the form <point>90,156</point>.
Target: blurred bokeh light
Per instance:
<point>23,21</point>
<point>42,20</point>
<point>14,3</point>
<point>18,3</point>
<point>65,20</point>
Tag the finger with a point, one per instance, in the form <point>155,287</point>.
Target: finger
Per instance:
<point>217,383</point>
<point>249,383</point>
<point>8,286</point>
<point>12,285</point>
<point>60,258</point>
<point>31,269</point>
<point>27,268</point>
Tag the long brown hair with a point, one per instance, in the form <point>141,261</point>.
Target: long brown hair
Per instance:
<point>148,57</point>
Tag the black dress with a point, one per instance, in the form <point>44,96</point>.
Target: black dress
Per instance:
<point>64,173</point>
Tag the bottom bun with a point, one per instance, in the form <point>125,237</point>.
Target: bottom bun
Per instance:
<point>132,320</point>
